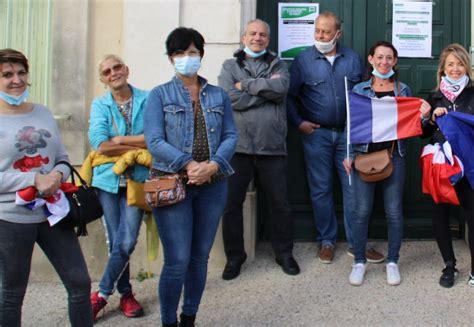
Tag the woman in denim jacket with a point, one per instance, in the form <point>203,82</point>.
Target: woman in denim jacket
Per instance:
<point>115,127</point>
<point>189,128</point>
<point>380,81</point>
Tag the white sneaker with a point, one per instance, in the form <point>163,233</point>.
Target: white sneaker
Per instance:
<point>356,277</point>
<point>470,281</point>
<point>393,274</point>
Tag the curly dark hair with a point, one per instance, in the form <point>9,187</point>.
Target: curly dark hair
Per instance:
<point>372,53</point>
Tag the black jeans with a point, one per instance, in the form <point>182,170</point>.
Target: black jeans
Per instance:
<point>441,227</point>
<point>271,172</point>
<point>63,251</point>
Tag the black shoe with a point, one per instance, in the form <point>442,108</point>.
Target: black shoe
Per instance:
<point>232,268</point>
<point>448,276</point>
<point>186,321</point>
<point>289,265</point>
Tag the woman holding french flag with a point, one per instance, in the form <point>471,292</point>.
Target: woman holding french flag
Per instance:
<point>452,120</point>
<point>380,118</point>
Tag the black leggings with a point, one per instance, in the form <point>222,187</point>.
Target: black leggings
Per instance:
<point>441,227</point>
<point>63,251</point>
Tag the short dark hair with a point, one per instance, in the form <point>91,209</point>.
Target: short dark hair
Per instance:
<point>181,38</point>
<point>13,56</point>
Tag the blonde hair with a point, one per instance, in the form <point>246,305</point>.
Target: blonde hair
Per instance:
<point>107,57</point>
<point>460,53</point>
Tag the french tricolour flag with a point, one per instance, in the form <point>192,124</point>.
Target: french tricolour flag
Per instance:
<point>383,119</point>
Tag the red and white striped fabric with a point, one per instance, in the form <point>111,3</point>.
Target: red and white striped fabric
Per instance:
<point>441,170</point>
<point>56,206</point>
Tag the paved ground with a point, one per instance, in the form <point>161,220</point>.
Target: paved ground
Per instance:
<point>319,296</point>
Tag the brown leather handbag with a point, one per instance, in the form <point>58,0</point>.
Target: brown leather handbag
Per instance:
<point>164,190</point>
<point>375,166</point>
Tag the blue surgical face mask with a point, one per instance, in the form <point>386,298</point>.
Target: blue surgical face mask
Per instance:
<point>455,81</point>
<point>187,65</point>
<point>14,100</point>
<point>254,54</point>
<point>376,73</point>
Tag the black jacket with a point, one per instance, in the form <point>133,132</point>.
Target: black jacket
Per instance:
<point>463,103</point>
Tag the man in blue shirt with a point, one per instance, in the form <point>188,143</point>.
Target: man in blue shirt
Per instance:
<point>316,105</point>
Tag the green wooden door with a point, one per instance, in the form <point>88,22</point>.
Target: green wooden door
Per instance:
<point>364,22</point>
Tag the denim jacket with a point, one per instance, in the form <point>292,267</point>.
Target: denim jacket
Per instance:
<point>169,125</point>
<point>365,88</point>
<point>317,91</point>
<point>101,129</point>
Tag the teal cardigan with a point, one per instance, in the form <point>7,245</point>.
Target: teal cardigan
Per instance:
<point>101,129</point>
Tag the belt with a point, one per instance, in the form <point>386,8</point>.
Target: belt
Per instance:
<point>333,128</point>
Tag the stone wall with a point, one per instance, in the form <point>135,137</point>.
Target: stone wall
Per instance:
<point>84,31</point>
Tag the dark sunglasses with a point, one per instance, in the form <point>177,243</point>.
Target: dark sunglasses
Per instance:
<point>115,68</point>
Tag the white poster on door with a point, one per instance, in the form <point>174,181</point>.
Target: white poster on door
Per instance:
<point>412,28</point>
<point>295,28</point>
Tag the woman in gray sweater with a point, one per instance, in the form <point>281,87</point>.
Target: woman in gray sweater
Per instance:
<point>29,175</point>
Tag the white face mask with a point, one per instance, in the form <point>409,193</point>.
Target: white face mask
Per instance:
<point>325,47</point>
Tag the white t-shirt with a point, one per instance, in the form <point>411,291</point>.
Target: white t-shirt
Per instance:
<point>331,59</point>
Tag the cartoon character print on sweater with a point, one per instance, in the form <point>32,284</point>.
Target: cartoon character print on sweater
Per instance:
<point>29,139</point>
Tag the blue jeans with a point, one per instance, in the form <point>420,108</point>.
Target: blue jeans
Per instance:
<point>187,231</point>
<point>63,251</point>
<point>392,188</point>
<point>325,149</point>
<point>122,223</point>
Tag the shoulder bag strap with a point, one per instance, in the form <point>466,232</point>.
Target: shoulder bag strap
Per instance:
<point>392,148</point>
<point>115,125</point>
<point>73,172</point>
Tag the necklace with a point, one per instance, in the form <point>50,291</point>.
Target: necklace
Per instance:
<point>382,82</point>
<point>123,105</point>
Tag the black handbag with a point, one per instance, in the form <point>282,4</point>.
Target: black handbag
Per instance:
<point>84,205</point>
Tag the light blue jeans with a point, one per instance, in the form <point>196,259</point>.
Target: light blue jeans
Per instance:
<point>392,188</point>
<point>324,150</point>
<point>122,223</point>
<point>187,231</point>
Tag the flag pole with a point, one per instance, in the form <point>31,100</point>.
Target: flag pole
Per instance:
<point>348,125</point>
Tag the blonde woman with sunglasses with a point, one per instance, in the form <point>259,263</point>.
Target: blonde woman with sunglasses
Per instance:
<point>116,126</point>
